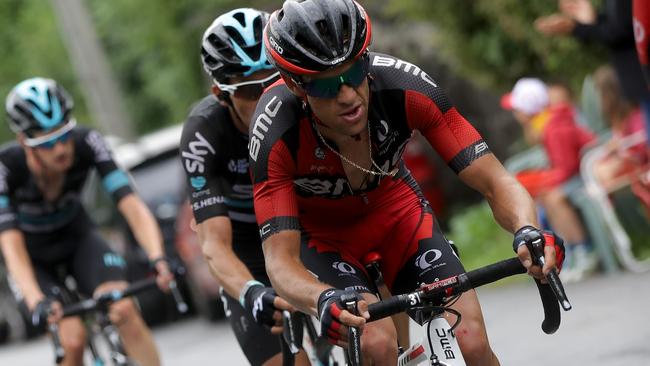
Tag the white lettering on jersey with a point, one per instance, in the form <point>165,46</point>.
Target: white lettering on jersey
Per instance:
<point>404,66</point>
<point>262,125</point>
<point>193,159</point>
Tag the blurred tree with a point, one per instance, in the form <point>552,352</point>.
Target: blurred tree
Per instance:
<point>493,42</point>
<point>154,47</point>
<point>30,47</point>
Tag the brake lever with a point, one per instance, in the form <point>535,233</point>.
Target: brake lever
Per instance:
<point>536,247</point>
<point>354,336</point>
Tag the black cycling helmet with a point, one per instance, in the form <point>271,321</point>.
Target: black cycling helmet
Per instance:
<point>312,36</point>
<point>37,104</point>
<point>232,45</point>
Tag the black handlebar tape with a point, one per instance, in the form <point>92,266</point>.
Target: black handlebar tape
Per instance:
<point>139,286</point>
<point>79,308</point>
<point>491,273</point>
<point>388,307</point>
<point>552,316</point>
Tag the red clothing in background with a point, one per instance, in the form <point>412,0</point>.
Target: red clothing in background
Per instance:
<point>641,22</point>
<point>563,141</point>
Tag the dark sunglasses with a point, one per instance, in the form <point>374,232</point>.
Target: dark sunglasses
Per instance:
<point>329,87</point>
<point>249,90</point>
<point>49,141</point>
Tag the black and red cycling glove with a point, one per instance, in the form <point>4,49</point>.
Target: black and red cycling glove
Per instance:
<point>527,234</point>
<point>330,307</point>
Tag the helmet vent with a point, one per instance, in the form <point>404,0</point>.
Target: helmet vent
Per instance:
<point>301,40</point>
<point>235,37</point>
<point>345,20</point>
<point>210,61</point>
<point>240,18</point>
<point>257,27</point>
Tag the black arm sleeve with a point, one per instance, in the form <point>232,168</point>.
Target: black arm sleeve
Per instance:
<point>7,212</point>
<point>613,26</point>
<point>203,166</point>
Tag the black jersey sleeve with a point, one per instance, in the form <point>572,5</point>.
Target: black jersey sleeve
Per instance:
<point>114,179</point>
<point>203,166</point>
<point>7,212</point>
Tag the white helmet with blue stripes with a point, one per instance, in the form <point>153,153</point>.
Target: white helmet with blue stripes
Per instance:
<point>232,45</point>
<point>37,105</point>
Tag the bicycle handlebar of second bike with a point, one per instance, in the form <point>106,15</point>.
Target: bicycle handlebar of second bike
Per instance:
<point>105,299</point>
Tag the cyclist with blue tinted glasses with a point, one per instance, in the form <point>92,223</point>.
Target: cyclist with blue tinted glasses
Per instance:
<point>45,232</point>
<point>215,158</point>
<point>330,185</point>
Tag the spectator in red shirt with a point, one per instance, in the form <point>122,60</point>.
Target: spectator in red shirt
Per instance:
<point>624,119</point>
<point>562,139</point>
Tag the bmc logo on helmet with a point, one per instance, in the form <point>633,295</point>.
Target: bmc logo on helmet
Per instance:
<point>404,66</point>
<point>261,126</point>
<point>344,267</point>
<point>426,259</point>
<point>275,45</point>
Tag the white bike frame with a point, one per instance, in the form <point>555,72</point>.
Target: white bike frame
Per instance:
<point>436,333</point>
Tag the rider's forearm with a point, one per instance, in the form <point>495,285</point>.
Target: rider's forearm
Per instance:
<point>289,277</point>
<point>215,235</point>
<point>143,225</point>
<point>20,266</point>
<point>510,202</point>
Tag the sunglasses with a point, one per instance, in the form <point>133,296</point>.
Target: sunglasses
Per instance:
<point>329,87</point>
<point>250,90</point>
<point>50,140</point>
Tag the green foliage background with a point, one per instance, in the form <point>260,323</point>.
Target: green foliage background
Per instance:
<point>493,42</point>
<point>153,46</point>
<point>31,47</point>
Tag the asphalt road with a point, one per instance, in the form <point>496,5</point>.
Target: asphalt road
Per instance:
<point>609,325</point>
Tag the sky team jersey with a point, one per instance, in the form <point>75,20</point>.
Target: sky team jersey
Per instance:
<point>300,184</point>
<point>215,158</point>
<point>22,204</point>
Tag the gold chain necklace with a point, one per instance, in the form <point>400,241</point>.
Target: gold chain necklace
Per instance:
<point>381,172</point>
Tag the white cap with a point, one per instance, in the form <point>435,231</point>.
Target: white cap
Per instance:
<point>529,96</point>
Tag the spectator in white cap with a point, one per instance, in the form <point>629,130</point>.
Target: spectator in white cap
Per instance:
<point>548,117</point>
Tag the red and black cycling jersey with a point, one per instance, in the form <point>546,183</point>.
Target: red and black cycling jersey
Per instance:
<point>214,155</point>
<point>22,204</point>
<point>300,184</point>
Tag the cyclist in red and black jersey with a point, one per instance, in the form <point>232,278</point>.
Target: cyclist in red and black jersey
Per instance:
<point>330,185</point>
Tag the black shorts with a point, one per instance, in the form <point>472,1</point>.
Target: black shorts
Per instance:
<point>78,251</point>
<point>427,259</point>
<point>256,341</point>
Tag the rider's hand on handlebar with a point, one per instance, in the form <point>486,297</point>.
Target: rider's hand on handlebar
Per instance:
<point>553,250</point>
<point>334,319</point>
<point>266,306</point>
<point>46,310</point>
<point>164,275</point>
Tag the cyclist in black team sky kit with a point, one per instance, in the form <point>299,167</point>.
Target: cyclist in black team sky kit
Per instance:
<point>215,158</point>
<point>44,229</point>
<point>330,185</point>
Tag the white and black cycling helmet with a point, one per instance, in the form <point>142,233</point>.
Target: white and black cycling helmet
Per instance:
<point>37,105</point>
<point>232,45</point>
<point>312,36</point>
